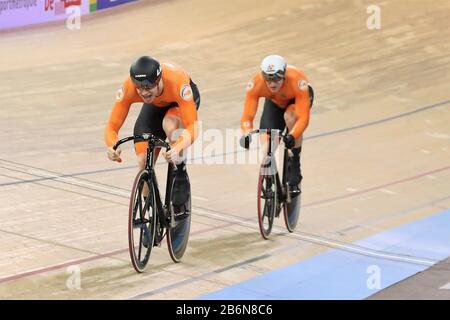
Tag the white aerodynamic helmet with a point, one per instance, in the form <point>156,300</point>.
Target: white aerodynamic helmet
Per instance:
<point>273,67</point>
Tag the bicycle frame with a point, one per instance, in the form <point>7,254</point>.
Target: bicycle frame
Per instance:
<point>161,209</point>
<point>282,188</point>
<point>155,142</point>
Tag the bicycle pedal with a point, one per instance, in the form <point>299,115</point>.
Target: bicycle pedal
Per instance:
<point>182,216</point>
<point>179,209</point>
<point>295,192</point>
<point>277,214</point>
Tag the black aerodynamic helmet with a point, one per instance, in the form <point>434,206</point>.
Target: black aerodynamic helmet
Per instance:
<point>145,72</point>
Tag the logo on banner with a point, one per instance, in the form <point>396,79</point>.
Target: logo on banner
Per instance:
<point>59,6</point>
<point>105,4</point>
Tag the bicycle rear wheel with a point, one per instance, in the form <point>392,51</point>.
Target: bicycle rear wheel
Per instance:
<point>291,209</point>
<point>142,217</point>
<point>267,200</point>
<point>178,233</point>
<point>291,212</point>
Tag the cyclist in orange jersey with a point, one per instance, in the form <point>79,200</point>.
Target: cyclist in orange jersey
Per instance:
<point>170,102</point>
<point>288,99</point>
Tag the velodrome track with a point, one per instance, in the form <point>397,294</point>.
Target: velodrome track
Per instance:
<point>375,160</point>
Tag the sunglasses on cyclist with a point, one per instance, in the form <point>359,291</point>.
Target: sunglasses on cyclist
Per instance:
<point>276,77</point>
<point>146,85</point>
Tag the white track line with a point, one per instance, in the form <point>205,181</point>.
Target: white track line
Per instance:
<point>346,247</point>
<point>75,181</point>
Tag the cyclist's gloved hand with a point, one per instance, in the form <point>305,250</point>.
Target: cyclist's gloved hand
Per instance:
<point>173,155</point>
<point>289,141</point>
<point>114,155</point>
<point>245,141</point>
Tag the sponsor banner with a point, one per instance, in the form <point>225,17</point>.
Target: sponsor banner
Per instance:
<point>104,4</point>
<point>17,13</point>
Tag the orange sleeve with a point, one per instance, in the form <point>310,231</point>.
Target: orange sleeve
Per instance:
<point>250,106</point>
<point>301,108</point>
<point>188,113</point>
<point>119,113</point>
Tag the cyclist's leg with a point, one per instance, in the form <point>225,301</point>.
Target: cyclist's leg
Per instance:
<point>290,118</point>
<point>173,127</point>
<point>149,121</point>
<point>272,118</point>
<point>295,176</point>
<point>172,123</point>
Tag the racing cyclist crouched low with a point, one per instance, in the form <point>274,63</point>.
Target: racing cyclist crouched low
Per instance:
<point>170,102</point>
<point>288,99</point>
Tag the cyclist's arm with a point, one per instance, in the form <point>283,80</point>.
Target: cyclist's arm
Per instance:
<point>188,113</point>
<point>118,114</point>
<point>302,111</point>
<point>250,107</point>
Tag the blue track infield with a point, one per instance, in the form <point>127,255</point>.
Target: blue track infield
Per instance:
<point>339,274</point>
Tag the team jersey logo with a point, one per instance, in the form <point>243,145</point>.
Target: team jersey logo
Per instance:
<point>186,92</point>
<point>250,85</point>
<point>119,95</point>
<point>302,85</point>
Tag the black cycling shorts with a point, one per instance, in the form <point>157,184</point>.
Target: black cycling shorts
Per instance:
<point>273,115</point>
<point>151,117</point>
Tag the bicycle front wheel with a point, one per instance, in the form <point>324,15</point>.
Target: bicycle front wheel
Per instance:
<point>142,218</point>
<point>267,201</point>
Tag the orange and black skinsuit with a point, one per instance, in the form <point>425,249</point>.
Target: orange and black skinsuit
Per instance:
<point>295,95</point>
<point>180,97</point>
